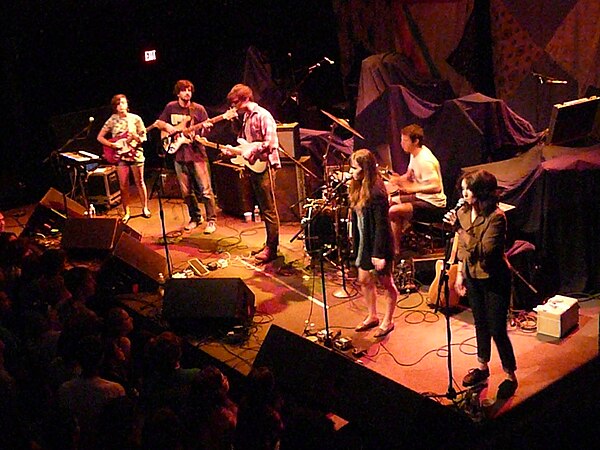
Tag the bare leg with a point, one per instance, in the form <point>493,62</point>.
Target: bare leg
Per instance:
<point>123,174</point>
<point>369,292</point>
<point>138,176</point>
<point>400,215</point>
<point>391,296</point>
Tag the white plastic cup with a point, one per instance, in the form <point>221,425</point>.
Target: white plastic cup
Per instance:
<point>248,216</point>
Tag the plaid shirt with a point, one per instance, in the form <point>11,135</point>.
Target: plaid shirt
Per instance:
<point>259,126</point>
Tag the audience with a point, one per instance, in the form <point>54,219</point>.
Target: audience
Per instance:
<point>76,374</point>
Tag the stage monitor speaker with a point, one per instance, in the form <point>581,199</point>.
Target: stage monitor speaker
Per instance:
<point>195,305</point>
<point>132,267</point>
<point>289,139</point>
<point>575,122</point>
<point>49,213</point>
<point>333,382</point>
<point>93,234</point>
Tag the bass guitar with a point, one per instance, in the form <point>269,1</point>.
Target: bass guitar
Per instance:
<point>258,166</point>
<point>126,145</point>
<point>451,270</point>
<point>182,135</point>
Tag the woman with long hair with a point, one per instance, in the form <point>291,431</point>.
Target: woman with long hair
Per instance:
<point>484,274</point>
<point>373,241</point>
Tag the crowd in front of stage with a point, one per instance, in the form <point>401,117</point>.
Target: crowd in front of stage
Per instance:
<point>78,372</point>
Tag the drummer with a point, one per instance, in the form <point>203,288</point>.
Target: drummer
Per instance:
<point>421,190</point>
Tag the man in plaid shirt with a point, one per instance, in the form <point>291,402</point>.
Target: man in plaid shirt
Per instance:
<point>260,131</point>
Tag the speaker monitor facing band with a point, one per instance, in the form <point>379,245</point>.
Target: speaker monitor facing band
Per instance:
<point>196,304</point>
<point>50,213</point>
<point>132,266</point>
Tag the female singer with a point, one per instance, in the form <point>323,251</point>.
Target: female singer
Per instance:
<point>373,241</point>
<point>484,275</point>
<point>125,150</point>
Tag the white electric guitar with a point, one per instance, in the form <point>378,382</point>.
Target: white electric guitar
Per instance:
<point>244,147</point>
<point>184,135</point>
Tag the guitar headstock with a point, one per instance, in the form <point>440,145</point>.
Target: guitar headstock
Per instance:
<point>230,114</point>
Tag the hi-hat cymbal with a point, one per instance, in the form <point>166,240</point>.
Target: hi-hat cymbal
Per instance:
<point>343,123</point>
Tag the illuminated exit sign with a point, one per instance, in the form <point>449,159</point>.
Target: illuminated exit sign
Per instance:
<point>150,55</point>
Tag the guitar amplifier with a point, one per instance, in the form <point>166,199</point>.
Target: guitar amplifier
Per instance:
<point>289,139</point>
<point>232,188</point>
<point>103,187</point>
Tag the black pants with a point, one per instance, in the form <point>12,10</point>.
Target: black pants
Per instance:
<point>490,299</point>
<point>263,185</point>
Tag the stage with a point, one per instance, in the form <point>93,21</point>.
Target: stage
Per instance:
<point>402,379</point>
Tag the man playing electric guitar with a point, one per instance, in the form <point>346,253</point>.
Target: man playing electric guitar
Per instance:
<point>191,161</point>
<point>260,131</point>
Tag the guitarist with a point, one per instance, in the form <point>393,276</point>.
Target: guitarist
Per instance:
<point>127,132</point>
<point>260,130</point>
<point>191,161</point>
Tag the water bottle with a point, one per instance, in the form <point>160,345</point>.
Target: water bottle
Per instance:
<point>161,284</point>
<point>256,213</point>
<point>92,211</point>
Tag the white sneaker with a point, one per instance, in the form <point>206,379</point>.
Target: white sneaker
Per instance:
<point>192,225</point>
<point>211,227</point>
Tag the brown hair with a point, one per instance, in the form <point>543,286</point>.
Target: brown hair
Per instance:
<point>114,102</point>
<point>414,132</point>
<point>181,85</point>
<point>240,91</point>
<point>361,190</point>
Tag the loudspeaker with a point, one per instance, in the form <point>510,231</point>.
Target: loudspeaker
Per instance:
<point>95,233</point>
<point>196,304</point>
<point>289,190</point>
<point>333,382</point>
<point>574,122</point>
<point>132,267</point>
<point>170,185</point>
<point>49,213</point>
<point>289,139</point>
<point>232,188</point>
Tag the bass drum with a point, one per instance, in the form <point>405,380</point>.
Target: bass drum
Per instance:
<point>329,227</point>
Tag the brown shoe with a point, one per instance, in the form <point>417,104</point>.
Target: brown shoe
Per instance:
<point>266,255</point>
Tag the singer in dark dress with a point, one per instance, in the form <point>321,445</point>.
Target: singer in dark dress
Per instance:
<point>484,275</point>
<point>373,244</point>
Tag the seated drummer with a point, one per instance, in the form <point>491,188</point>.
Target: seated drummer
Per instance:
<point>420,190</point>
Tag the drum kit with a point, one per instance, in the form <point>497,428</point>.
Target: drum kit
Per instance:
<point>327,223</point>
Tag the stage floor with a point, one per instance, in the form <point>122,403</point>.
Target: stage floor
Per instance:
<point>288,293</point>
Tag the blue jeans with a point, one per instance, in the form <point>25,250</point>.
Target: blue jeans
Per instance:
<point>490,299</point>
<point>194,182</point>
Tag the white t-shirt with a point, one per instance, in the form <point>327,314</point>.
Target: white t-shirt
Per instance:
<point>425,167</point>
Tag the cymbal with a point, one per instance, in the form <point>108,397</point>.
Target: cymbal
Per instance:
<point>343,123</point>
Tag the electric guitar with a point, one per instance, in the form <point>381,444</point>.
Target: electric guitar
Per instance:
<point>258,166</point>
<point>126,143</point>
<point>172,141</point>
<point>451,270</point>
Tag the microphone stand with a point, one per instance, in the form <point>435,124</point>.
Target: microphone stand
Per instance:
<point>161,212</point>
<point>55,153</point>
<point>451,392</point>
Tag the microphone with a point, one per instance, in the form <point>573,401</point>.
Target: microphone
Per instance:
<point>459,204</point>
<point>345,178</point>
<point>330,61</point>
